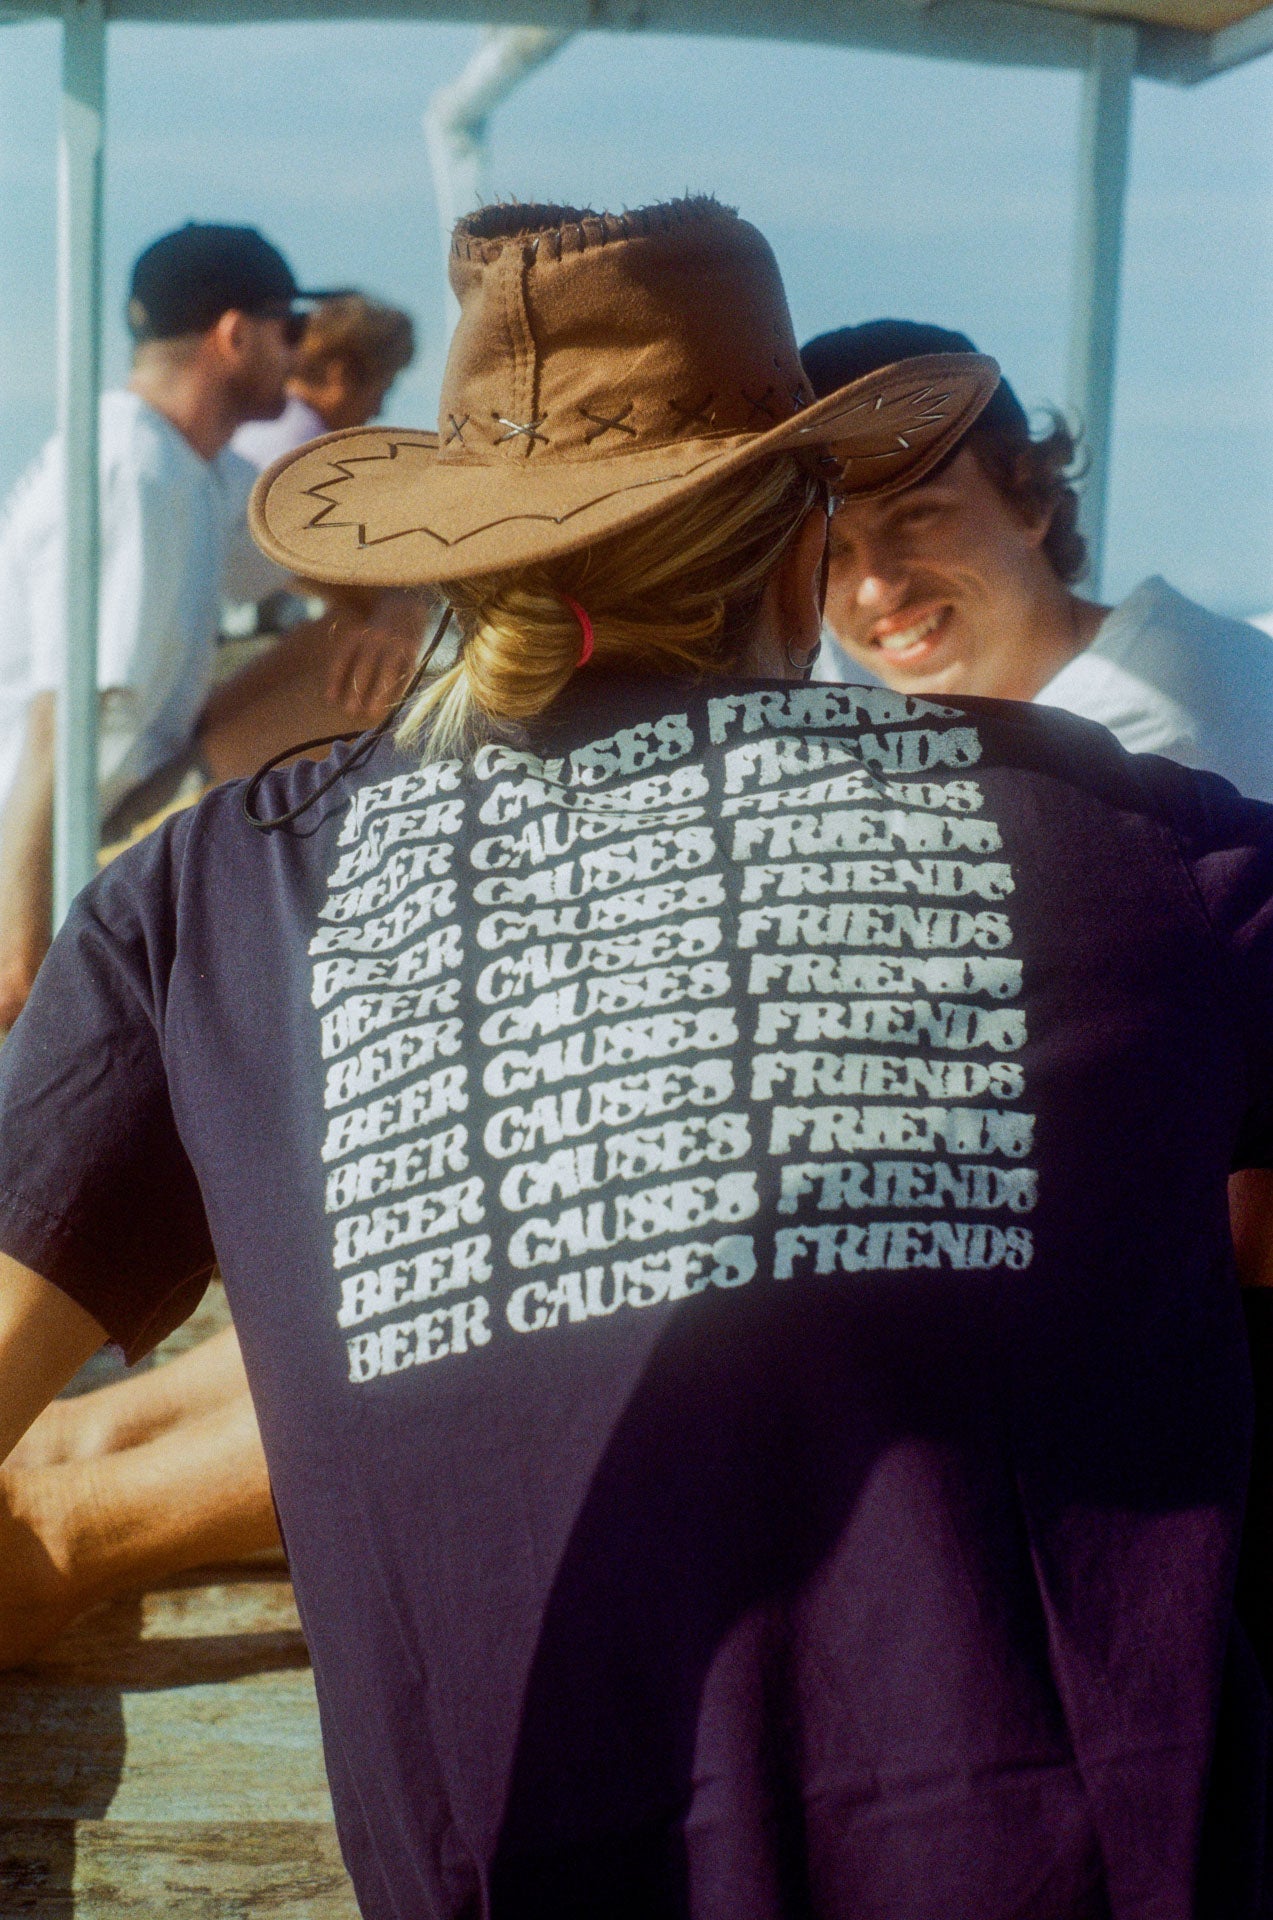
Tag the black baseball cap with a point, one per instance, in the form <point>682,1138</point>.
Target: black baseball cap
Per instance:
<point>186,280</point>
<point>833,359</point>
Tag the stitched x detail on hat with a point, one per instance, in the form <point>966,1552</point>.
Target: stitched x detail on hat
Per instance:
<point>457,430</point>
<point>527,430</point>
<point>696,414</point>
<point>603,423</point>
<point>760,406</point>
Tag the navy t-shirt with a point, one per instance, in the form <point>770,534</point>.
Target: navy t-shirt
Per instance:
<point>723,1201</point>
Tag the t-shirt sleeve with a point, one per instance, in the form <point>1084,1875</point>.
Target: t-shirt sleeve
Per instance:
<point>1139,714</point>
<point>148,535</point>
<point>96,1191</point>
<point>31,576</point>
<point>1226,842</point>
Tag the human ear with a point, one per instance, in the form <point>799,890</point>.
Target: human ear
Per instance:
<point>788,624</point>
<point>230,334</point>
<point>802,585</point>
<point>1034,517</point>
<point>1036,522</point>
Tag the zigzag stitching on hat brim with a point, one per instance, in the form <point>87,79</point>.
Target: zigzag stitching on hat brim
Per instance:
<point>323,523</point>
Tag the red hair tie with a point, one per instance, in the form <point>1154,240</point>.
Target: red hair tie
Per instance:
<point>585,628</point>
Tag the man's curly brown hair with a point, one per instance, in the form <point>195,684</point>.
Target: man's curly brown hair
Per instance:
<point>1037,477</point>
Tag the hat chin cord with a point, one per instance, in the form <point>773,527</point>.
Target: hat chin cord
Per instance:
<point>804,667</point>
<point>368,742</point>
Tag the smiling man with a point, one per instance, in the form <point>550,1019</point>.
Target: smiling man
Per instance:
<point>965,584</point>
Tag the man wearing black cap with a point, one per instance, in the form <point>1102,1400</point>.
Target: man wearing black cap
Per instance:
<point>214,317</point>
<point>184,283</point>
<point>964,584</point>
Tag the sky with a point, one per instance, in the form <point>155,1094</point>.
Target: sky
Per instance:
<point>886,184</point>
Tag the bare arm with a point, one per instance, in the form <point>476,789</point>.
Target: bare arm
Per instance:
<point>44,1338</point>
<point>1251,1216</point>
<point>339,673</point>
<point>26,862</point>
<point>132,1411</point>
<point>75,1533</point>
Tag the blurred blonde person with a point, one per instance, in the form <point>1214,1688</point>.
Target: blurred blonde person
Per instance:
<point>351,352</point>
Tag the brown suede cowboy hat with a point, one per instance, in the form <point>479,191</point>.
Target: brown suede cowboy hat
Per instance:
<point>604,366</point>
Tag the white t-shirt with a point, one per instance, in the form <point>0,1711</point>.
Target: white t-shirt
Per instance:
<point>174,542</point>
<point>265,441</point>
<point>1165,676</point>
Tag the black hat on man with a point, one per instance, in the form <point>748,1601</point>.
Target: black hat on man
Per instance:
<point>832,360</point>
<point>186,280</point>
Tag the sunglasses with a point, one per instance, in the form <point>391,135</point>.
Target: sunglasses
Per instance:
<point>292,322</point>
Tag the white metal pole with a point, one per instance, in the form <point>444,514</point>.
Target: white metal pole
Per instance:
<point>75,817</point>
<point>1102,192</point>
<point>455,124</point>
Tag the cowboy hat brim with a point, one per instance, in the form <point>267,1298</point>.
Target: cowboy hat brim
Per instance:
<point>389,507</point>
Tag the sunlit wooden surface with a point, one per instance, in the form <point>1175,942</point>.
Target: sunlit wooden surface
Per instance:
<point>163,1759</point>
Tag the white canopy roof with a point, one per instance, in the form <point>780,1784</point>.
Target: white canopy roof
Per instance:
<point>1182,40</point>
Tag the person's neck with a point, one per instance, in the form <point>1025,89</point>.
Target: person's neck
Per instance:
<point>198,408</point>
<point>1062,625</point>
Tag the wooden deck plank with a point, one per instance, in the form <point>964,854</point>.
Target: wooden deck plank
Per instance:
<point>287,1870</point>
<point>163,1757</point>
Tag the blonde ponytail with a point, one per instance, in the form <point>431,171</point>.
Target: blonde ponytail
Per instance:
<point>676,595</point>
